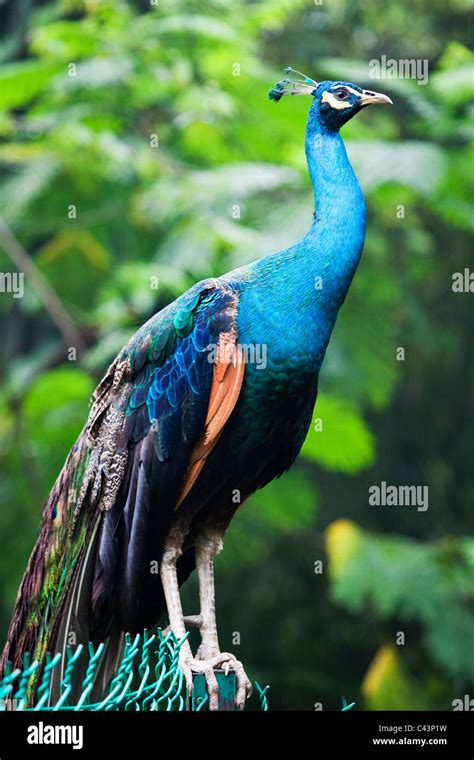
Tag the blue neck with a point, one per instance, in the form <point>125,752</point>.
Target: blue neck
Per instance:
<point>338,199</point>
<point>332,247</point>
<point>299,291</point>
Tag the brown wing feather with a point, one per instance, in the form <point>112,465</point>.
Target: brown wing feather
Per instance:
<point>228,375</point>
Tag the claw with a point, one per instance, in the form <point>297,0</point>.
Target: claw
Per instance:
<point>188,666</point>
<point>244,687</point>
<point>227,662</point>
<point>188,677</point>
<point>212,688</point>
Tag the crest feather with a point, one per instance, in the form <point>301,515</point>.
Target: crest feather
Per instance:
<point>299,85</point>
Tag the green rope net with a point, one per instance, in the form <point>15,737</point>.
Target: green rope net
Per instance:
<point>148,678</point>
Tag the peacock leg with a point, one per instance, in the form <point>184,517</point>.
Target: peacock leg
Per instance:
<point>169,579</point>
<point>208,544</point>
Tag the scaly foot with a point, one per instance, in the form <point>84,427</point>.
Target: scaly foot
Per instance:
<point>190,665</point>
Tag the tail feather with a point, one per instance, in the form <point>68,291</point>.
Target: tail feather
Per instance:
<point>74,627</point>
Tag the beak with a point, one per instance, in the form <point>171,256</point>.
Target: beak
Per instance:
<point>369,97</point>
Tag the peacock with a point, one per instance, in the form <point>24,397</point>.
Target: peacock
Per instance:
<point>184,427</point>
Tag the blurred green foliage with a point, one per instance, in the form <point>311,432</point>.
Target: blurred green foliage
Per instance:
<point>152,121</point>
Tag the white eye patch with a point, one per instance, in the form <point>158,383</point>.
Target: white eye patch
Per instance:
<point>333,102</point>
<point>351,90</point>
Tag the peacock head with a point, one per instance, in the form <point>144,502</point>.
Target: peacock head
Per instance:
<point>334,103</point>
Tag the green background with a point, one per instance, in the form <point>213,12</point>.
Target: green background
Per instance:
<point>196,75</point>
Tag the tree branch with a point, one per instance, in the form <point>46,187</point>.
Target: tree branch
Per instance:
<point>16,252</point>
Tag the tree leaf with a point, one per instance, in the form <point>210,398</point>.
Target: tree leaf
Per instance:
<point>344,443</point>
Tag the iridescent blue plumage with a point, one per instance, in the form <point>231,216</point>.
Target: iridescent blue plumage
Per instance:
<point>184,420</point>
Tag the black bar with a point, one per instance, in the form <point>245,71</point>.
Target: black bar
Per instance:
<point>312,734</point>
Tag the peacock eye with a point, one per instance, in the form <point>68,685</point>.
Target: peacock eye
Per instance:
<point>341,94</point>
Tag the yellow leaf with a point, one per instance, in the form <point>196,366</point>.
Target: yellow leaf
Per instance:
<point>343,539</point>
<point>386,685</point>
